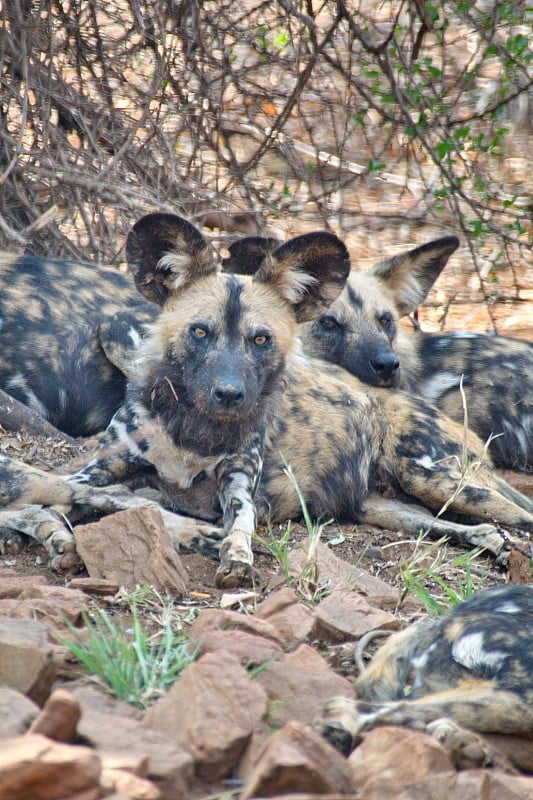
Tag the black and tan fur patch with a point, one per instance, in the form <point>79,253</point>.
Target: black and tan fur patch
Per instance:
<point>474,667</point>
<point>68,333</point>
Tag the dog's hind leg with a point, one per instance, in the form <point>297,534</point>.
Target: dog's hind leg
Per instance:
<point>434,460</point>
<point>46,527</point>
<point>513,494</point>
<point>445,487</point>
<point>477,705</point>
<point>415,520</point>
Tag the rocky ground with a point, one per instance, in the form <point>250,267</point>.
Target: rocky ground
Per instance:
<point>238,724</point>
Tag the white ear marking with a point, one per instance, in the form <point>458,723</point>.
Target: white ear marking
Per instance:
<point>296,283</point>
<point>178,264</point>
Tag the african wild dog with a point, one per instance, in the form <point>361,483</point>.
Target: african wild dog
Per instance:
<point>361,333</point>
<point>67,330</point>
<point>221,389</point>
<point>473,667</point>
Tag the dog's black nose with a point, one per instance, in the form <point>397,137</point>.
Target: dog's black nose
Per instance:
<point>386,366</point>
<point>228,394</point>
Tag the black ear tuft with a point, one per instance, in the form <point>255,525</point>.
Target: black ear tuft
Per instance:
<point>309,271</point>
<point>165,253</point>
<point>246,255</point>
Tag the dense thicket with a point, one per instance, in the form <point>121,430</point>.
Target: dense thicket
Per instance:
<point>340,114</point>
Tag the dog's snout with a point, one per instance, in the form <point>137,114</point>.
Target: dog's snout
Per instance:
<point>228,395</point>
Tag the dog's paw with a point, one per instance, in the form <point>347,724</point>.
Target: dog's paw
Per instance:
<point>466,749</point>
<point>45,526</point>
<point>11,542</point>
<point>339,724</point>
<point>333,732</point>
<point>233,574</point>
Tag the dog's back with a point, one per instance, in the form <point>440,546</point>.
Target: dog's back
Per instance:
<point>485,638</point>
<point>67,332</point>
<point>496,374</point>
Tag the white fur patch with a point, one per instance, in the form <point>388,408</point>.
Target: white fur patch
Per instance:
<point>521,434</point>
<point>179,265</point>
<point>134,336</point>
<point>419,663</point>
<point>435,387</point>
<point>508,608</point>
<point>462,335</point>
<point>426,462</point>
<point>295,284</point>
<point>468,651</point>
<point>18,381</point>
<point>62,399</point>
<point>239,487</point>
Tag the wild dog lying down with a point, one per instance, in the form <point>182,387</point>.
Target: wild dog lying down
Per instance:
<point>474,667</point>
<point>66,336</point>
<point>361,333</point>
<point>221,392</point>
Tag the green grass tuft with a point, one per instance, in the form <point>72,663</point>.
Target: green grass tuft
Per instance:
<point>131,664</point>
<point>307,583</point>
<point>428,575</point>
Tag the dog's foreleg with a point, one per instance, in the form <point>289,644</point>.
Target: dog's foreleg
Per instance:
<point>46,527</point>
<point>237,479</point>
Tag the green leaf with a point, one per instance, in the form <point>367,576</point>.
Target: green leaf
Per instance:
<point>516,45</point>
<point>443,148</point>
<point>375,166</point>
<point>432,11</point>
<point>281,40</point>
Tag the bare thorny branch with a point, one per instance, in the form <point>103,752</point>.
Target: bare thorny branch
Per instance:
<point>294,109</point>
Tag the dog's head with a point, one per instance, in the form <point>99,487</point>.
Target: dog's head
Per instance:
<point>219,348</point>
<point>359,332</point>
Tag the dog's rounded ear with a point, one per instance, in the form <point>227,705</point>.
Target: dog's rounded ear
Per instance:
<point>309,271</point>
<point>246,255</point>
<point>165,253</point>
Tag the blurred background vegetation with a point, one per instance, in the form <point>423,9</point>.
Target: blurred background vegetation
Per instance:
<point>389,123</point>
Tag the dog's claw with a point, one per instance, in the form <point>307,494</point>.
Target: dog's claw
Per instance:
<point>232,574</point>
<point>336,735</point>
<point>67,562</point>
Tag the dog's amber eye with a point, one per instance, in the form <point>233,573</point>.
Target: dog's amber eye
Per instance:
<point>260,340</point>
<point>329,323</point>
<point>200,333</point>
<point>385,321</point>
